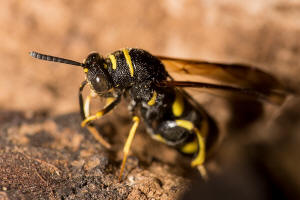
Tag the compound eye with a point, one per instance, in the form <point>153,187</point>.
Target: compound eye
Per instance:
<point>100,84</point>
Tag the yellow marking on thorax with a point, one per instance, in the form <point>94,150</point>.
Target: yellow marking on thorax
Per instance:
<point>178,105</point>
<point>113,61</point>
<point>128,61</point>
<point>105,66</point>
<point>85,70</point>
<point>151,102</point>
<point>190,147</point>
<point>185,124</point>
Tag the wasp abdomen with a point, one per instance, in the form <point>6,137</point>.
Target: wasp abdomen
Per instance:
<point>172,119</point>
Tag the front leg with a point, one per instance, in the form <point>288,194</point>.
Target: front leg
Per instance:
<point>81,107</point>
<point>85,113</point>
<point>89,118</point>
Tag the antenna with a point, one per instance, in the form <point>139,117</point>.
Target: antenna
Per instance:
<point>54,59</point>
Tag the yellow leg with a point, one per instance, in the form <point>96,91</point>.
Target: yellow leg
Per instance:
<point>127,145</point>
<point>200,158</point>
<point>89,118</point>
<point>202,172</point>
<point>87,103</point>
<point>92,118</point>
<point>98,137</point>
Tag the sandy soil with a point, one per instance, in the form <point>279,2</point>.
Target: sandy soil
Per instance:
<point>44,154</point>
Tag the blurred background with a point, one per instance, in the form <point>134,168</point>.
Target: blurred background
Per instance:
<point>259,33</point>
<point>265,34</point>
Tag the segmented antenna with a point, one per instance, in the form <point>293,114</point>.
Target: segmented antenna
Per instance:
<point>54,59</point>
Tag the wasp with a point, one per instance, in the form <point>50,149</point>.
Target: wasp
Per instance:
<point>169,113</point>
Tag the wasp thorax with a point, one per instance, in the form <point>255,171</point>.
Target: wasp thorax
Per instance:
<point>96,74</point>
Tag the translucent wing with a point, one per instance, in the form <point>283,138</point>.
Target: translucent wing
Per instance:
<point>223,79</point>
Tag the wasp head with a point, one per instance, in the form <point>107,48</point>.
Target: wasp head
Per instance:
<point>96,73</point>
<point>94,66</point>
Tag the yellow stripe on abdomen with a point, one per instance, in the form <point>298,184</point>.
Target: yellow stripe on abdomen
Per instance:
<point>185,124</point>
<point>128,61</point>
<point>190,147</point>
<point>178,105</point>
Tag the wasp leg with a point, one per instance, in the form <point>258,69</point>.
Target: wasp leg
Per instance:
<point>127,145</point>
<point>100,113</point>
<point>85,114</point>
<point>87,102</point>
<point>200,158</point>
<point>90,126</point>
<point>82,114</point>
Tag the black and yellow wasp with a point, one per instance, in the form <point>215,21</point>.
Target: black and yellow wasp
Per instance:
<point>169,113</point>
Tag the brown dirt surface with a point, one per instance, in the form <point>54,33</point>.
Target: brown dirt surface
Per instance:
<point>45,154</point>
<point>54,158</point>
